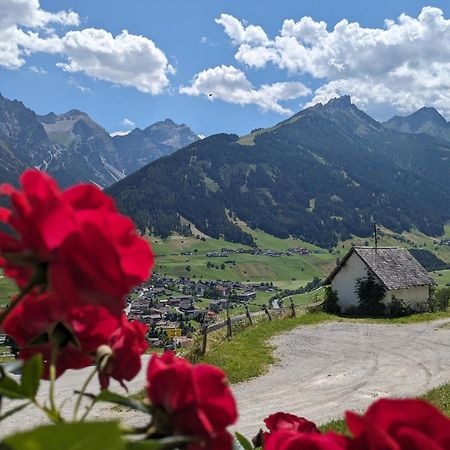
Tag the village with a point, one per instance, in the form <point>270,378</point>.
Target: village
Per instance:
<point>174,309</point>
<point>225,252</point>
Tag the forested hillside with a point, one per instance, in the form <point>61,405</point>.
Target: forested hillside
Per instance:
<point>328,172</point>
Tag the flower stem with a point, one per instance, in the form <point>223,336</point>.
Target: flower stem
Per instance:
<point>81,394</point>
<point>52,373</point>
<point>53,416</point>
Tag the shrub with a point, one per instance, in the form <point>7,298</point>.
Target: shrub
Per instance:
<point>370,294</point>
<point>331,301</point>
<point>442,298</point>
<point>439,300</point>
<point>352,311</point>
<point>398,307</point>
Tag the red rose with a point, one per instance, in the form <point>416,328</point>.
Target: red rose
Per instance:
<point>39,321</point>
<point>196,400</point>
<point>40,217</point>
<point>288,440</point>
<point>102,262</point>
<point>400,425</point>
<point>288,422</point>
<point>86,250</point>
<point>128,343</point>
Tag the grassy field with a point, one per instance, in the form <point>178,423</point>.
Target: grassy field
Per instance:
<point>7,288</point>
<point>390,239</point>
<point>441,277</point>
<point>285,271</point>
<point>3,359</point>
<point>304,299</point>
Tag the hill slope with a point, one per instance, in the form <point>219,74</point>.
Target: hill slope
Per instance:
<point>322,175</point>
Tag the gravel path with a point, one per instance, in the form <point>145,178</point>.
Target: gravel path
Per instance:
<point>64,394</point>
<point>326,369</point>
<point>322,371</point>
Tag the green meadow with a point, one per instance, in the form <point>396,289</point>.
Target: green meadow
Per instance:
<point>441,277</point>
<point>7,288</point>
<point>286,272</point>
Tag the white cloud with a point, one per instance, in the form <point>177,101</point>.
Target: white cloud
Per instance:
<point>119,133</point>
<point>124,60</point>
<point>38,70</point>
<point>73,82</point>
<point>241,34</point>
<point>20,24</point>
<point>128,123</point>
<point>28,13</point>
<point>230,84</point>
<point>406,63</point>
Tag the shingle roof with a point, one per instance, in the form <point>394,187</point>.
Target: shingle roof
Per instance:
<point>395,267</point>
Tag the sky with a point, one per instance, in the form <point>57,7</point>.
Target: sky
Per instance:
<point>223,65</point>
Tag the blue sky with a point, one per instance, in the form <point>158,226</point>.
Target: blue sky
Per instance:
<point>54,60</point>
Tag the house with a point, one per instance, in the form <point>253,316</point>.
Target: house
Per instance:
<point>218,305</point>
<point>223,290</point>
<point>393,267</point>
<point>246,296</point>
<point>186,306</point>
<point>175,301</point>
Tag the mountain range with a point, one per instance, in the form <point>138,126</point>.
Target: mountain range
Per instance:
<point>74,148</point>
<point>322,175</point>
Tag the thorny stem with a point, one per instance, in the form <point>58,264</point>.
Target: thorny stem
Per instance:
<point>81,395</point>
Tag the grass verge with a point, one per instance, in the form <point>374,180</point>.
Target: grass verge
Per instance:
<point>413,318</point>
<point>248,353</point>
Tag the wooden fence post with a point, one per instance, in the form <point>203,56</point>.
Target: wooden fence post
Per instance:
<point>247,313</point>
<point>292,307</point>
<point>229,333</point>
<point>267,312</point>
<point>205,338</point>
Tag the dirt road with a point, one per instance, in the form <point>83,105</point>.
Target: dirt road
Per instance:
<point>322,371</point>
<point>326,369</point>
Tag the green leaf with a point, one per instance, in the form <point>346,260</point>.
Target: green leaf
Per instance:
<point>68,436</point>
<point>110,397</point>
<point>243,441</point>
<point>31,376</point>
<point>10,388</point>
<point>158,444</point>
